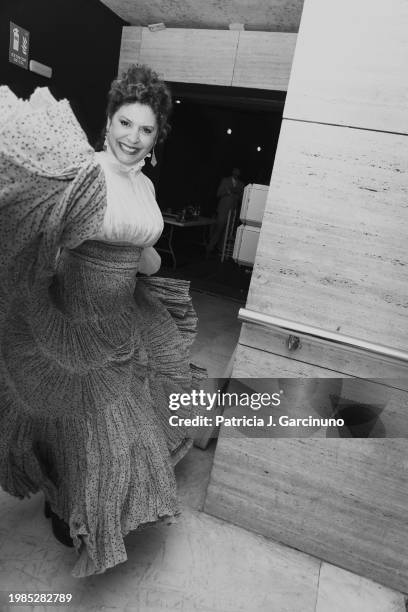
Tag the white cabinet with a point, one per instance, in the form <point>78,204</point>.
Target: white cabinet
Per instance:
<point>253,204</point>
<point>246,243</point>
<point>251,215</point>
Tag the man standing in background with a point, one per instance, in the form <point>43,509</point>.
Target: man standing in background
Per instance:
<point>229,194</point>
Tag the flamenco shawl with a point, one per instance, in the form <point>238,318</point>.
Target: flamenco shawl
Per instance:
<point>88,353</point>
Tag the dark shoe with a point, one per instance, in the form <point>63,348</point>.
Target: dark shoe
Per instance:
<point>60,529</point>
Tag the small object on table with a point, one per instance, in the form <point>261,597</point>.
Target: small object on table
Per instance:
<point>182,216</point>
<point>173,222</point>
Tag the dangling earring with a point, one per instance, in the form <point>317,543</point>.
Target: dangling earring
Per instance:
<point>153,159</point>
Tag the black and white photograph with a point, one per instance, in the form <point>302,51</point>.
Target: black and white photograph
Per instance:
<point>203,306</point>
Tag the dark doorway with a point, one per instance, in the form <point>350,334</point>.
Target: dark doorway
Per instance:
<point>214,129</point>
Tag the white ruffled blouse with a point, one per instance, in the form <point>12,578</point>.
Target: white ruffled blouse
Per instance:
<point>132,215</point>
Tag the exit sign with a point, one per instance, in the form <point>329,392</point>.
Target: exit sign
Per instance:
<point>19,45</point>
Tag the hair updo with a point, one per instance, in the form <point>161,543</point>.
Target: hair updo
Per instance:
<point>141,84</point>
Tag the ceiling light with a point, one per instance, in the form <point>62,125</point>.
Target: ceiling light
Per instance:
<point>156,27</point>
<point>258,148</point>
<point>229,131</point>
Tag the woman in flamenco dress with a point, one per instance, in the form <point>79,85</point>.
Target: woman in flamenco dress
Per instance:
<point>90,350</point>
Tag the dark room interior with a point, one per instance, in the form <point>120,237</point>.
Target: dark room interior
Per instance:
<point>214,129</point>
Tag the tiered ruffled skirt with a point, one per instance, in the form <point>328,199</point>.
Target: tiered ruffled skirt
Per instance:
<point>91,362</point>
<point>89,352</point>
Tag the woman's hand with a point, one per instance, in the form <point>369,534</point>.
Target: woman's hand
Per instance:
<point>150,261</point>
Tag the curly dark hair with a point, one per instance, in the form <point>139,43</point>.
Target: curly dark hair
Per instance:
<point>141,84</point>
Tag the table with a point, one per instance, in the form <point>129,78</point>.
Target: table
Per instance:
<point>172,223</point>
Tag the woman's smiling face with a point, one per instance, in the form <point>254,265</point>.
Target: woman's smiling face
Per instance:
<point>132,132</point>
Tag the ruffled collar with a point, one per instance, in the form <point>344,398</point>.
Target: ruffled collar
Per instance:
<point>122,168</point>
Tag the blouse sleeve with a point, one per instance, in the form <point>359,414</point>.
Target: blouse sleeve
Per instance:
<point>52,191</point>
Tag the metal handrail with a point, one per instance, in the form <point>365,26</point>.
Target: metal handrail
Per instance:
<point>292,327</point>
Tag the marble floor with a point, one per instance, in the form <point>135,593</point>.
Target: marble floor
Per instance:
<point>199,564</point>
<point>218,332</point>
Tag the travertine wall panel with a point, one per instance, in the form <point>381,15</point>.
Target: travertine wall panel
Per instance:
<point>351,65</point>
<point>313,357</point>
<point>213,57</point>
<point>264,60</point>
<point>191,56</point>
<point>341,500</point>
<point>333,246</point>
<point>333,257</point>
<point>130,47</point>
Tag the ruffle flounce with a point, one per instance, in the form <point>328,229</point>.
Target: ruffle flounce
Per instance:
<point>52,190</point>
<point>84,382</point>
<point>94,434</point>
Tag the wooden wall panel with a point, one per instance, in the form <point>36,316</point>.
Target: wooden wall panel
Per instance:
<point>342,500</point>
<point>191,56</point>
<point>130,46</point>
<point>333,246</point>
<point>350,64</point>
<point>264,60</point>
